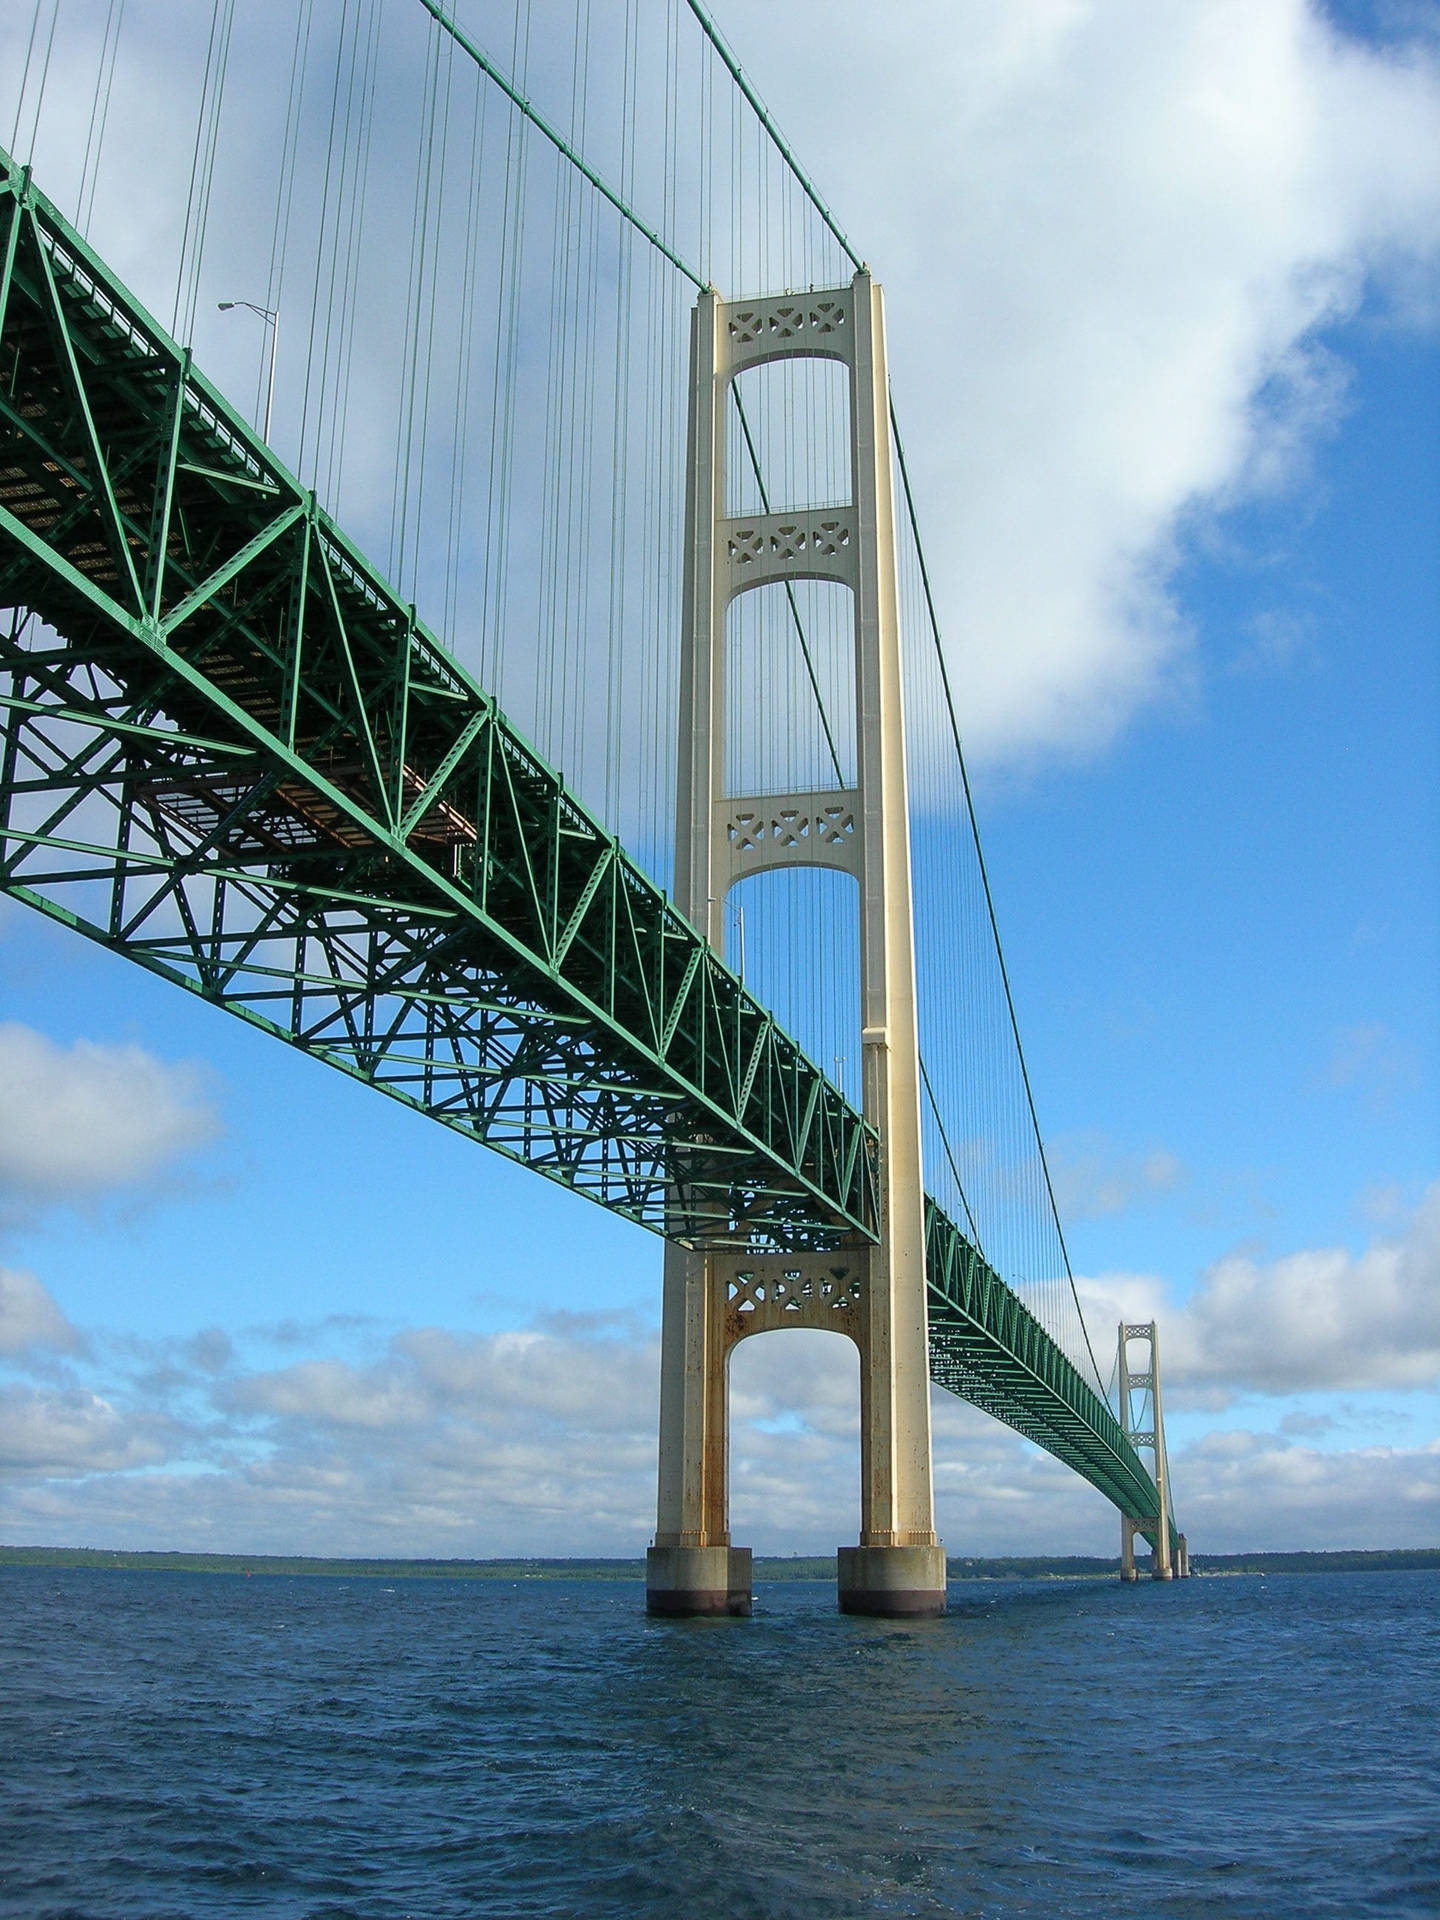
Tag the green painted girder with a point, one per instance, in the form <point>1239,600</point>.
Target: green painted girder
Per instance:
<point>987,1347</point>
<point>230,752</point>
<point>234,754</point>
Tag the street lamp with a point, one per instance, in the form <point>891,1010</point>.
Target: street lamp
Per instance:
<point>272,320</point>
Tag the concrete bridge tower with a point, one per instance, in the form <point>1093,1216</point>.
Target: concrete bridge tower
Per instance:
<point>873,1293</point>
<point>1145,1381</point>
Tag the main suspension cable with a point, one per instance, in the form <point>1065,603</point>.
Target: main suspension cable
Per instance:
<point>558,141</point>
<point>762,114</point>
<point>949,1154</point>
<point>985,877</point>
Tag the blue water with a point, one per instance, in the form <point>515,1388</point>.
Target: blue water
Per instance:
<point>196,1745</point>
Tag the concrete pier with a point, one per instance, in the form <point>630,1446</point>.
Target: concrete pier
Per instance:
<point>892,1581</point>
<point>696,1581</point>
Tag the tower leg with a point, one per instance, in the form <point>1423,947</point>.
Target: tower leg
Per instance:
<point>898,1568</point>
<point>899,1565</point>
<point>1127,1548</point>
<point>692,1567</point>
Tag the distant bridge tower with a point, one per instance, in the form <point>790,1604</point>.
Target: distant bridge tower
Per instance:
<point>875,1294</point>
<point>1145,1382</point>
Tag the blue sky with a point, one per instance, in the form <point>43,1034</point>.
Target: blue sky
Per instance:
<point>1254,868</point>
<point>290,1314</point>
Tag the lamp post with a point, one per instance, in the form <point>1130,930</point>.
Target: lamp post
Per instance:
<point>272,320</point>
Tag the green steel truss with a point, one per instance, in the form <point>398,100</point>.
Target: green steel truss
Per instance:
<point>233,754</point>
<point>987,1347</point>
<point>229,751</point>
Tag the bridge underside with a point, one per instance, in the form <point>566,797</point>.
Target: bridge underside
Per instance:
<point>229,752</point>
<point>238,758</point>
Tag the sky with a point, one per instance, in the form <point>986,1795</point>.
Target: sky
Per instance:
<point>1163,307</point>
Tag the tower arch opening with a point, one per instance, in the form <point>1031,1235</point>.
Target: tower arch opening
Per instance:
<point>787,436</point>
<point>790,687</point>
<point>795,1439</point>
<point>793,934</point>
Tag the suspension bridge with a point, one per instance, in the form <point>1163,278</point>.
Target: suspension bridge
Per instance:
<point>667,539</point>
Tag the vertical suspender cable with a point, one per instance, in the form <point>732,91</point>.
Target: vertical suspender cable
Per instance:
<point>99,113</point>
<point>733,68</point>
<point>207,126</point>
<point>557,140</point>
<point>25,78</point>
<point>285,181</point>
<point>350,296</point>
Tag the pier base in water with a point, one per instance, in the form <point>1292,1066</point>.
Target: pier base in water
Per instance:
<point>690,1581</point>
<point>891,1581</point>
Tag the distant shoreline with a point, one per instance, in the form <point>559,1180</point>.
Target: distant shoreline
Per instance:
<point>766,1568</point>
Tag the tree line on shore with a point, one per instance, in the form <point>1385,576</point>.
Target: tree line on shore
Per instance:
<point>799,1567</point>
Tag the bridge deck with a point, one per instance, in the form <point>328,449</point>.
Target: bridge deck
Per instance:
<point>232,753</point>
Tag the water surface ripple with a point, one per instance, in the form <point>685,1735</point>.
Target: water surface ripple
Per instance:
<point>186,1746</point>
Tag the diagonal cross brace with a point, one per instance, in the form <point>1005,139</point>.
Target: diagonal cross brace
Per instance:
<point>415,813</point>
<point>236,564</point>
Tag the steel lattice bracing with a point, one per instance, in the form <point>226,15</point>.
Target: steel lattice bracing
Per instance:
<point>987,1347</point>
<point>239,759</point>
<point>231,753</point>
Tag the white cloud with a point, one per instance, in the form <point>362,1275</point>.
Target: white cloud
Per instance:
<point>75,1120</point>
<point>30,1319</point>
<point>1110,235</point>
<point>48,1432</point>
<point>465,1453</point>
<point>572,1376</point>
<point>538,1440</point>
<point>543,1441</point>
<point>1113,237</point>
<point>1322,1318</point>
<point>1238,1490</point>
